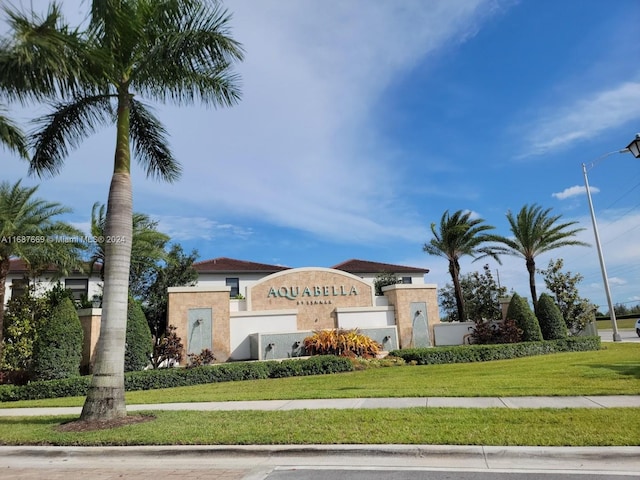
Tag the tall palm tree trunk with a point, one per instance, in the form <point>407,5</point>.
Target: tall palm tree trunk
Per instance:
<point>105,399</point>
<point>531,268</point>
<point>5,264</point>
<point>454,270</point>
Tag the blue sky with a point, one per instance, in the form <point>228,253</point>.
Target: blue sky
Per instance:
<point>363,121</point>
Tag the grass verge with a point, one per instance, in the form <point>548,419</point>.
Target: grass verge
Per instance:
<point>435,426</point>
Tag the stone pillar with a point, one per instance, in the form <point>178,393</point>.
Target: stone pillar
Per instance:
<point>181,299</point>
<point>401,296</point>
<point>504,306</point>
<point>90,319</point>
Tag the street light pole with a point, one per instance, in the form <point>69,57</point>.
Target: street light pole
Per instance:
<point>603,268</point>
<point>634,149</point>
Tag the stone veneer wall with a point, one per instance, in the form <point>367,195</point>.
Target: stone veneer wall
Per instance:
<point>181,299</point>
<point>400,296</point>
<point>314,311</point>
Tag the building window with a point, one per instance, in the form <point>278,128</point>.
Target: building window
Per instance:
<point>19,287</point>
<point>79,288</point>
<point>406,280</point>
<point>234,283</point>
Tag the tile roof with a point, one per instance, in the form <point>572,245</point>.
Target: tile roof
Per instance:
<point>18,265</point>
<point>365,266</point>
<point>224,264</point>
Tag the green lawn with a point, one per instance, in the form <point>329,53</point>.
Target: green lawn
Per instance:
<point>614,370</point>
<point>623,324</point>
<point>436,426</point>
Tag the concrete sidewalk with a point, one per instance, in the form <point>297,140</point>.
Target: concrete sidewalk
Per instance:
<point>606,401</point>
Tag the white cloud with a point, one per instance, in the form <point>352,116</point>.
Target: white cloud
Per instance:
<point>576,190</point>
<point>297,151</point>
<point>584,118</point>
<point>181,228</point>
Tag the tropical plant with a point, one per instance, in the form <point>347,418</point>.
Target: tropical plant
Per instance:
<point>383,279</point>
<point>520,312</point>
<point>139,344</point>
<point>166,50</point>
<point>481,295</point>
<point>341,342</point>
<point>576,311</point>
<point>550,318</point>
<point>57,351</point>
<point>460,235</point>
<point>29,230</point>
<point>168,350</point>
<point>205,357</point>
<point>147,247</point>
<point>536,231</point>
<point>489,332</point>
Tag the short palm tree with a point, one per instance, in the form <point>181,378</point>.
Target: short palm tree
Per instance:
<point>179,51</point>
<point>536,231</point>
<point>29,230</point>
<point>147,246</point>
<point>457,236</point>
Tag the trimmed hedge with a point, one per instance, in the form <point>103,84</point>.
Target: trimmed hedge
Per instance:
<point>57,350</point>
<point>550,318</point>
<point>182,377</point>
<point>139,342</point>
<point>525,319</point>
<point>484,353</point>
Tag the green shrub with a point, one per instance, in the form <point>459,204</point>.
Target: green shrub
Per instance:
<point>22,319</point>
<point>483,353</point>
<point>485,333</point>
<point>57,351</point>
<point>550,318</point>
<point>525,319</point>
<point>182,377</point>
<point>205,357</point>
<point>139,344</point>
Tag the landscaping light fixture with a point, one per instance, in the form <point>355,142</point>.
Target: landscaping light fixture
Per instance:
<point>634,149</point>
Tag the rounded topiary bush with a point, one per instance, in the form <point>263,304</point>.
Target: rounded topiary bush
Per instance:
<point>520,312</point>
<point>550,318</point>
<point>57,351</point>
<point>139,343</point>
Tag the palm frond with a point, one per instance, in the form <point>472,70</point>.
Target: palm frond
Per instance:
<point>192,42</point>
<point>12,137</point>
<point>150,145</point>
<point>42,57</point>
<point>64,129</point>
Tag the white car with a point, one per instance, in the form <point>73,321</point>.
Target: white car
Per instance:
<point>638,327</point>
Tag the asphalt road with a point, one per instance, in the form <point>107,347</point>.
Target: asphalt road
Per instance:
<point>318,462</point>
<point>625,335</point>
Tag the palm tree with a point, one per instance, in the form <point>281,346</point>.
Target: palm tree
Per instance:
<point>166,50</point>
<point>536,231</point>
<point>147,247</point>
<point>460,235</point>
<point>29,230</point>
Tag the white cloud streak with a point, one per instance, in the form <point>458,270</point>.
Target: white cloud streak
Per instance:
<point>585,118</point>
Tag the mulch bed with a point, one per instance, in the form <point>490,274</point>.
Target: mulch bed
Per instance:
<point>88,426</point>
